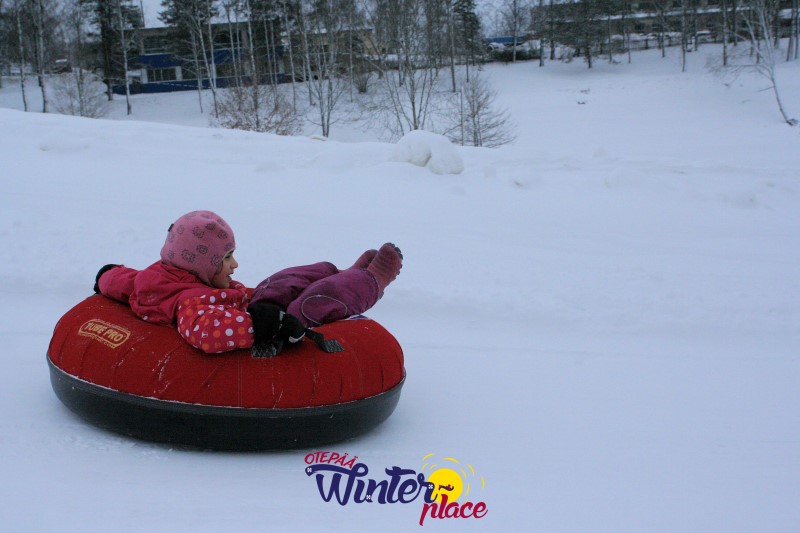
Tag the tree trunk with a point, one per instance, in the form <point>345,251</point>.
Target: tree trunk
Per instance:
<point>451,30</point>
<point>234,48</point>
<point>212,69</point>
<point>253,74</point>
<point>41,67</point>
<point>684,30</point>
<point>21,45</point>
<point>198,72</point>
<point>725,30</point>
<point>307,60</point>
<point>291,57</point>
<point>124,43</point>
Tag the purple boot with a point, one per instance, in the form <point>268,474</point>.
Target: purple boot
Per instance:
<point>386,266</point>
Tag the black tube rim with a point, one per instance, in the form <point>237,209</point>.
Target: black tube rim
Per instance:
<point>221,428</point>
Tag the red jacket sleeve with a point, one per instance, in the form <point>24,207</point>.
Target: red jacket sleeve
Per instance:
<point>117,283</point>
<point>215,320</point>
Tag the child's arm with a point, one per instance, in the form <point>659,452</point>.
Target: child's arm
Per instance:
<point>115,282</point>
<point>214,320</point>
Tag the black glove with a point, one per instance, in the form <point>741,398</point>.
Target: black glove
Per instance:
<point>293,328</point>
<point>271,323</point>
<point>266,322</point>
<point>99,274</point>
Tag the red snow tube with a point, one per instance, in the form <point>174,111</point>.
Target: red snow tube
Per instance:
<point>143,380</point>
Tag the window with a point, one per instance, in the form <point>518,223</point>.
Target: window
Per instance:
<point>161,74</point>
<point>188,73</point>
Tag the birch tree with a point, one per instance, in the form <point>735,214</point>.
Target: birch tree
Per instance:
<point>763,55</point>
<point>124,43</point>
<point>327,25</point>
<point>78,91</point>
<point>515,16</point>
<point>192,19</point>
<point>21,50</point>
<point>481,122</point>
<point>406,95</point>
<point>793,46</point>
<point>254,102</point>
<point>4,41</point>
<point>43,28</point>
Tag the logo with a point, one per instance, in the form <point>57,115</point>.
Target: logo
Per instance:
<point>109,334</point>
<point>444,494</point>
<point>451,482</point>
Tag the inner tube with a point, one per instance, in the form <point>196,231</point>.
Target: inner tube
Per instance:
<point>143,380</point>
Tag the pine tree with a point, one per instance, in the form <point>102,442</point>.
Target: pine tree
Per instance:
<point>468,31</point>
<point>113,19</point>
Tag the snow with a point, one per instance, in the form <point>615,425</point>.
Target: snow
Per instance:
<point>426,149</point>
<point>602,318</point>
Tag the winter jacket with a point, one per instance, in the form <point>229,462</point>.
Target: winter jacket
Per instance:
<point>212,320</point>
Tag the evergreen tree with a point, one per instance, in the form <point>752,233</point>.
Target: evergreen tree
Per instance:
<point>113,20</point>
<point>468,31</point>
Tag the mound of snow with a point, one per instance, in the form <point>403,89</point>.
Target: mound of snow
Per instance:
<point>426,149</point>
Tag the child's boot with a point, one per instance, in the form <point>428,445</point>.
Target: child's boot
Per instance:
<point>365,259</point>
<point>386,266</point>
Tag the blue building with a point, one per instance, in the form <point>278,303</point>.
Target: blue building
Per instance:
<point>158,69</point>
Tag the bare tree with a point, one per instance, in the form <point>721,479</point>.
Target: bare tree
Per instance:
<point>193,18</point>
<point>584,28</point>
<point>480,121</point>
<point>80,93</point>
<point>43,24</point>
<point>327,28</point>
<point>255,102</point>
<point>516,17</point>
<point>661,12</point>
<point>21,48</point>
<point>290,27</point>
<point>259,108</point>
<point>77,91</point>
<point>123,39</point>
<point>407,89</point>
<point>4,41</point>
<point>793,46</point>
<point>762,56</point>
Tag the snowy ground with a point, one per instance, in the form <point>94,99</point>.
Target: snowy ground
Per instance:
<point>603,318</point>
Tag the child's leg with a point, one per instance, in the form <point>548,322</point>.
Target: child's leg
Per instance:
<point>285,286</point>
<point>348,293</point>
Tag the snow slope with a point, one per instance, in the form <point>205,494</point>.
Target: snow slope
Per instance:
<point>602,319</point>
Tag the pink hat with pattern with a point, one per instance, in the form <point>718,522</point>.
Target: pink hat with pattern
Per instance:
<point>197,242</point>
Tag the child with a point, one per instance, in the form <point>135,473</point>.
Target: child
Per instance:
<point>191,287</point>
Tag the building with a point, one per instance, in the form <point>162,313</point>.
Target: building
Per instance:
<point>168,62</point>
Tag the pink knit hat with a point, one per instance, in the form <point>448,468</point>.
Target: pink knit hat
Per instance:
<point>197,242</point>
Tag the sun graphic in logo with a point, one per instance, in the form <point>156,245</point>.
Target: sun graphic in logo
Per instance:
<point>451,477</point>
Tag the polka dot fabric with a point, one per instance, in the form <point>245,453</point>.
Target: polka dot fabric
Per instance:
<point>197,242</point>
<point>215,320</point>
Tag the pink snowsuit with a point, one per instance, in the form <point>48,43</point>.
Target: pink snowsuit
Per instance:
<point>216,320</point>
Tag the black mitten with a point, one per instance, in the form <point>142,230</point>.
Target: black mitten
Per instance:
<point>266,321</point>
<point>99,274</point>
<point>271,328</point>
<point>292,329</point>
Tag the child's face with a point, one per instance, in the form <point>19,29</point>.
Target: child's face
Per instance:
<point>222,279</point>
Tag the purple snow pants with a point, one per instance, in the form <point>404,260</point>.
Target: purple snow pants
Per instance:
<point>319,293</point>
